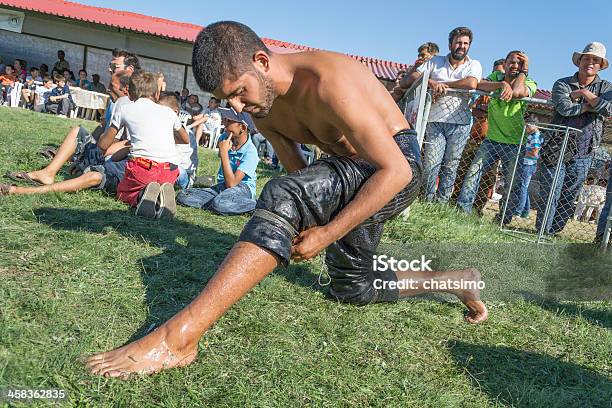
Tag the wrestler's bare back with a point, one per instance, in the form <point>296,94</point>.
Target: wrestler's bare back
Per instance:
<point>304,114</point>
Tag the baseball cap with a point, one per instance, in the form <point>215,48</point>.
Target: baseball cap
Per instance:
<point>231,114</point>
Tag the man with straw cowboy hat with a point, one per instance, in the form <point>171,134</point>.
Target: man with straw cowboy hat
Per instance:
<point>582,101</point>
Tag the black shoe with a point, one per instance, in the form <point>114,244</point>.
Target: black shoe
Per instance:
<point>148,201</point>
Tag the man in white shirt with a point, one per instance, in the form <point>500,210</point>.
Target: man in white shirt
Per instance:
<point>449,121</point>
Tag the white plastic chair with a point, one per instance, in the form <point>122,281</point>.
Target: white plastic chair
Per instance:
<point>214,137</point>
<point>184,116</point>
<point>15,95</point>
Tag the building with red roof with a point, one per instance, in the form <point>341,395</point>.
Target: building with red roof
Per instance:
<point>87,34</point>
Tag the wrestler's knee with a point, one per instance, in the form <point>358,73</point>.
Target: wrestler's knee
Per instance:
<point>276,219</point>
<point>279,196</point>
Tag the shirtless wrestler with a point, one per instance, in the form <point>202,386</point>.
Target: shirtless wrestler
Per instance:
<point>339,203</point>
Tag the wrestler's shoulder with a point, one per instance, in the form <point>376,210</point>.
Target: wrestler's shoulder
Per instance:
<point>326,61</point>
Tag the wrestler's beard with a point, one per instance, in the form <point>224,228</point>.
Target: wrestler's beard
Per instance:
<point>266,88</point>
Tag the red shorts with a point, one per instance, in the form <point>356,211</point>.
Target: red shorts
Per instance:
<point>138,173</point>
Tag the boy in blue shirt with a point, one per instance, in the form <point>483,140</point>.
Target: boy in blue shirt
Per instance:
<point>530,161</point>
<point>234,192</point>
<point>58,100</point>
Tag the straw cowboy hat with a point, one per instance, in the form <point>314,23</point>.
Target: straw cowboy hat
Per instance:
<point>595,48</point>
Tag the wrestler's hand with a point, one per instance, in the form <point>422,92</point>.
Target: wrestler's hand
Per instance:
<point>309,243</point>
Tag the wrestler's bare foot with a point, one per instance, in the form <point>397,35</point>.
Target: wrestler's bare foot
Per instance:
<point>42,176</point>
<point>477,311</point>
<point>159,350</point>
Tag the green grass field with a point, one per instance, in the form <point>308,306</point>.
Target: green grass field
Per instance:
<point>79,274</point>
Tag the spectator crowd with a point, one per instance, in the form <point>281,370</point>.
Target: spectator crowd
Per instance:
<point>481,142</point>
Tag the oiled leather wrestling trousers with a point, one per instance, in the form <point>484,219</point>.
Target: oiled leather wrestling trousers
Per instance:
<point>314,196</point>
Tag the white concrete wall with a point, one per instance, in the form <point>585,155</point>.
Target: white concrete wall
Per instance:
<point>36,50</point>
<point>156,54</point>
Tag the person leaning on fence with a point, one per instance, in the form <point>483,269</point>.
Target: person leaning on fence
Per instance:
<point>582,101</point>
<point>234,192</point>
<point>506,123</point>
<point>499,65</point>
<point>448,127</point>
<point>397,92</point>
<point>425,52</point>
<point>478,132</point>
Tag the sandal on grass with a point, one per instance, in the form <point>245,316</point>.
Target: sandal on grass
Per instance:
<point>48,152</point>
<point>22,176</point>
<point>5,188</point>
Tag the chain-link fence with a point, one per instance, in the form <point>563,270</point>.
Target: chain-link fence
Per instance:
<point>505,161</point>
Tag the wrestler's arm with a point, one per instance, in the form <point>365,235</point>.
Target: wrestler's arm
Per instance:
<point>373,141</point>
<point>366,134</point>
<point>288,151</point>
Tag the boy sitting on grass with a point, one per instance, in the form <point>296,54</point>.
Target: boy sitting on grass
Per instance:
<point>234,192</point>
<point>151,169</point>
<point>187,153</point>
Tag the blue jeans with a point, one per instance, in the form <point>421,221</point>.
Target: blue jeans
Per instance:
<point>184,180</point>
<point>220,199</point>
<point>603,217</point>
<point>442,149</point>
<point>257,140</point>
<point>487,155</point>
<point>563,202</point>
<point>524,203</point>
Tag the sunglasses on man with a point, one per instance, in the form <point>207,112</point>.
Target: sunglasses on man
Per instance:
<point>112,67</point>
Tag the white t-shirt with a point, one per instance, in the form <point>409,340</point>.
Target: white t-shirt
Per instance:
<point>40,91</point>
<point>451,108</point>
<point>188,154</point>
<point>151,128</point>
<point>123,133</point>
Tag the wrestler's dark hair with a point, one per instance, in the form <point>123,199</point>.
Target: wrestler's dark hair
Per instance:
<point>499,62</point>
<point>224,50</point>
